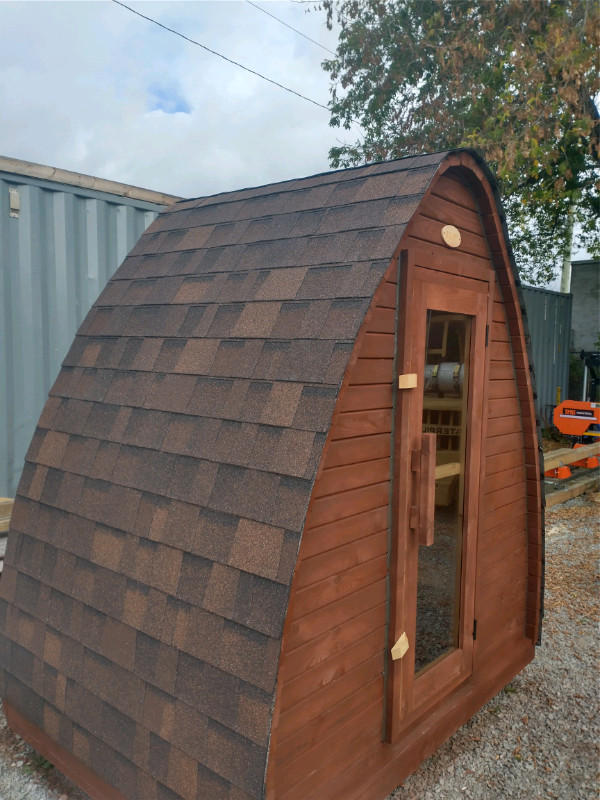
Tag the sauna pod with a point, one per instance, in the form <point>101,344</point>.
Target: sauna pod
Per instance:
<point>279,531</point>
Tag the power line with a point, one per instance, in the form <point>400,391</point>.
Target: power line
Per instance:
<point>291,27</point>
<point>220,55</point>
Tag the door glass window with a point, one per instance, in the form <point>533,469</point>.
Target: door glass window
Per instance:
<point>445,415</point>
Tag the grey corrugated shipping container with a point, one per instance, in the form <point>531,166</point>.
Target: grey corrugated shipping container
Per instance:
<point>62,235</point>
<point>549,320</point>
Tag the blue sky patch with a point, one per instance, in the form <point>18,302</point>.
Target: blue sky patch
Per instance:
<point>167,99</point>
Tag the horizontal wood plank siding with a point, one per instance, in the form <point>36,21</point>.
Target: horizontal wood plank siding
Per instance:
<point>330,699</point>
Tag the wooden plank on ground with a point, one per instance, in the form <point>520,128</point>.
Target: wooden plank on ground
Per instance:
<point>6,507</point>
<point>568,455</point>
<point>573,487</point>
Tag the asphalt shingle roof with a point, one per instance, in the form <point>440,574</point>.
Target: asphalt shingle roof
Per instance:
<point>161,506</point>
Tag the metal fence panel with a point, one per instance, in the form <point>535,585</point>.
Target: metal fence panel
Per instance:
<point>55,258</point>
<point>549,320</point>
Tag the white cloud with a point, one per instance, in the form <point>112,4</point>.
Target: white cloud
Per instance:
<point>89,86</point>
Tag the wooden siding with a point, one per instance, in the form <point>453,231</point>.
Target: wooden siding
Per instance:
<point>330,700</point>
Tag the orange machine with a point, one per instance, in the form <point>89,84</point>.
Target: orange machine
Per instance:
<point>574,417</point>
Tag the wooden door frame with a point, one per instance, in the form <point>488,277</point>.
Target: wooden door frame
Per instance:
<point>421,286</point>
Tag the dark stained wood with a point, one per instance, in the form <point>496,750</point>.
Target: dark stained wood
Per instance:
<point>326,737</point>
<point>504,426</point>
<point>332,718</point>
<point>367,397</point>
<point>330,644</point>
<point>431,231</point>
<point>378,345</point>
<point>348,504</point>
<point>362,448</point>
<point>447,212</point>
<point>362,423</point>
<point>352,476</point>
<point>341,560</point>
<point>371,370</point>
<point>311,707</point>
<point>323,674</point>
<point>457,193</point>
<point>503,443</point>
<point>305,628</point>
<point>341,531</point>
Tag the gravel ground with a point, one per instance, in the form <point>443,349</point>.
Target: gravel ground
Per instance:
<point>536,740</point>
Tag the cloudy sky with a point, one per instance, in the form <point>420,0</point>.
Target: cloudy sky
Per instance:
<point>88,86</point>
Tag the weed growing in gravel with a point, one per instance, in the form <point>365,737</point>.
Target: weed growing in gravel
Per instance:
<point>37,764</point>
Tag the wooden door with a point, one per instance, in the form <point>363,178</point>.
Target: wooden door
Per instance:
<point>437,458</point>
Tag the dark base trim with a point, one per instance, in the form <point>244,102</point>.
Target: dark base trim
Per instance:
<point>66,762</point>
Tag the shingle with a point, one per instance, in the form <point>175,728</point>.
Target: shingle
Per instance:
<point>236,357</point>
<point>198,320</point>
<point>157,565</point>
<point>260,604</point>
<point>215,535</point>
<point>240,286</point>
<point>281,284</point>
<point>218,697</point>
<point>116,686</point>
<point>234,443</point>
<point>188,729</point>
<point>334,371</point>
<point>315,408</point>
<point>280,406</point>
<point>257,548</point>
<point>210,396</point>
<point>192,480</point>
<point>343,320</point>
<point>52,448</point>
<point>292,456</point>
<point>235,758</point>
<point>118,730</point>
<point>197,356</point>
<point>111,351</point>
<point>193,579</point>
<point>80,454</point>
<point>306,361</point>
<point>170,392</point>
<point>70,491</point>
<point>203,288</point>
<point>146,428</point>
<point>66,381</point>
<point>271,362</point>
<point>31,556</point>
<point>169,355</point>
<point>221,589</point>
<point>140,354</point>
<point>173,522</point>
<point>196,237</point>
<point>212,785</point>
<point>321,282</point>
<point>289,507</point>
<point>256,320</point>
<point>223,319</point>
<point>242,654</point>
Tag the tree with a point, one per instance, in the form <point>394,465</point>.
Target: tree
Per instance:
<point>517,79</point>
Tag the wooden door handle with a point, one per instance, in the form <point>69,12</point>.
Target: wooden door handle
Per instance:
<point>427,489</point>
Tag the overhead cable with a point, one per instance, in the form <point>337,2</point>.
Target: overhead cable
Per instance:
<point>291,27</point>
<point>220,55</point>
